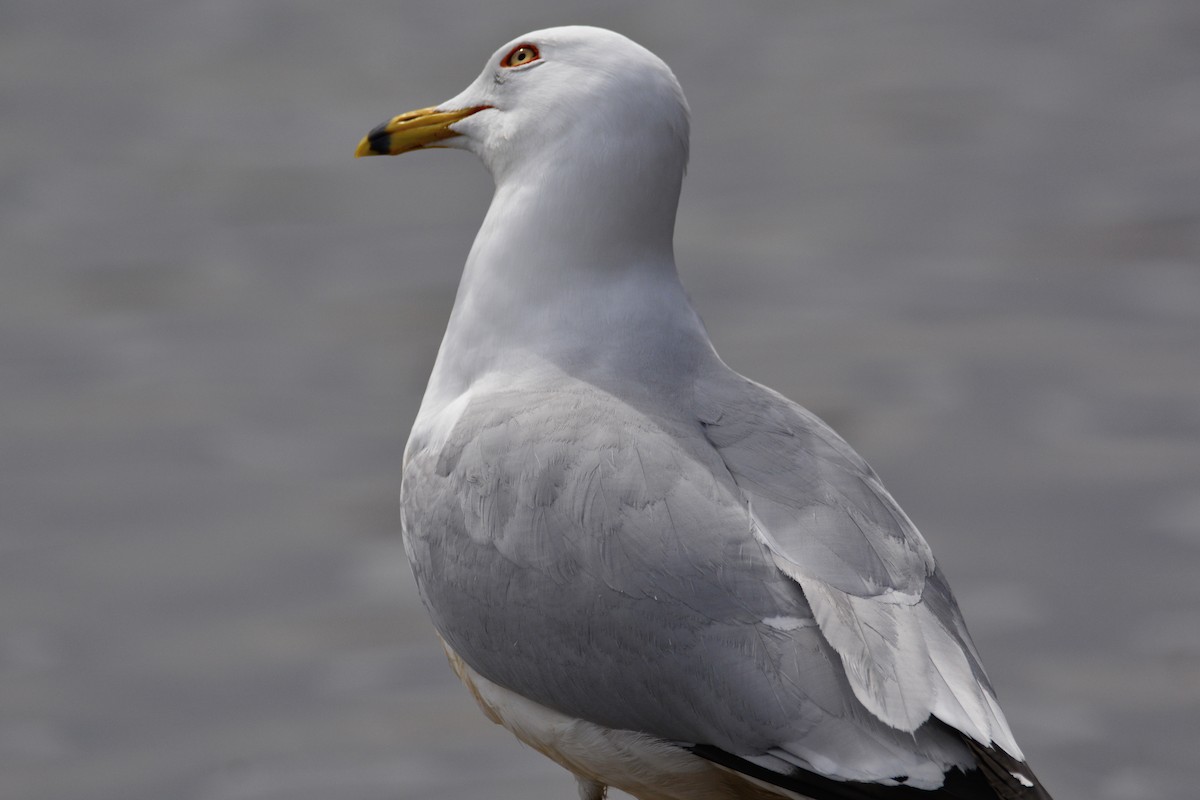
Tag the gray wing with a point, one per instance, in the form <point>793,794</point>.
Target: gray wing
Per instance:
<point>866,571</point>
<point>602,561</point>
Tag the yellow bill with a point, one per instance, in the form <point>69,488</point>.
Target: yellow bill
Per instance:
<point>412,130</point>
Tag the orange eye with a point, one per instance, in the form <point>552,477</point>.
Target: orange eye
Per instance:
<point>520,55</point>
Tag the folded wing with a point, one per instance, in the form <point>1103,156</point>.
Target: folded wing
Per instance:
<point>867,573</point>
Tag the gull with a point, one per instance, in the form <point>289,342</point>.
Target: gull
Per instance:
<point>669,579</point>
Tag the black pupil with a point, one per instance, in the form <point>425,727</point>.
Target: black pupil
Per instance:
<point>521,55</point>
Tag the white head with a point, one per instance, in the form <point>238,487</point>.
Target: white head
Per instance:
<point>580,93</point>
<point>574,92</point>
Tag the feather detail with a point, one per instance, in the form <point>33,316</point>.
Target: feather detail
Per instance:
<point>1010,778</point>
<point>866,571</point>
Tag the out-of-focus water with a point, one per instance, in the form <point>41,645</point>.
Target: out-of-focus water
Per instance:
<point>966,234</point>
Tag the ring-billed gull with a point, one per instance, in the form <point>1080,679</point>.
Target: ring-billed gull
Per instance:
<point>660,574</point>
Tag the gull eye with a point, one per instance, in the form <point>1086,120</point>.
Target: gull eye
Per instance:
<point>520,55</point>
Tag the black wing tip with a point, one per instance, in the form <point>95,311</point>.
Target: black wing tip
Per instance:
<point>1009,778</point>
<point>995,779</point>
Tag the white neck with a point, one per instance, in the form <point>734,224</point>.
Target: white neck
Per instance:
<point>563,275</point>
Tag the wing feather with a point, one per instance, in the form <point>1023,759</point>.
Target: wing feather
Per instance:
<point>866,571</point>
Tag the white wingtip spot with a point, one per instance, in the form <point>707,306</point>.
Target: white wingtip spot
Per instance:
<point>1028,784</point>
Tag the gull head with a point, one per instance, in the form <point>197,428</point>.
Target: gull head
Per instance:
<point>575,96</point>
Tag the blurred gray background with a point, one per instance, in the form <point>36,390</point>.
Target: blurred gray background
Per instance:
<point>966,233</point>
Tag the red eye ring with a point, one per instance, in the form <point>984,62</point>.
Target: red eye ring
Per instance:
<point>521,55</point>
